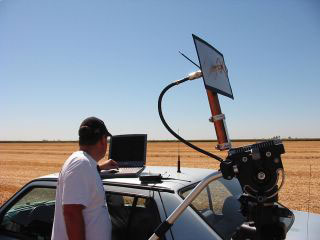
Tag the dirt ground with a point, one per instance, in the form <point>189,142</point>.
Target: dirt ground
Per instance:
<point>21,162</point>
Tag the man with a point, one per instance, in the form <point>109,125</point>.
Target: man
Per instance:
<point>80,211</point>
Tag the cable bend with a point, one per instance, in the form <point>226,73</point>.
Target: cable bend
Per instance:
<point>173,132</point>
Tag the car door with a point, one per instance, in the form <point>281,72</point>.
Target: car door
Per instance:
<point>29,213</point>
<point>135,213</point>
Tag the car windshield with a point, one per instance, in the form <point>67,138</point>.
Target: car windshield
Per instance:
<point>217,204</point>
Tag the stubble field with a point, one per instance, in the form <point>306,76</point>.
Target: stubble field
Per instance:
<point>21,162</point>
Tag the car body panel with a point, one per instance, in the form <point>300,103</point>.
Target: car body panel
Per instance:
<point>305,227</point>
<point>177,180</point>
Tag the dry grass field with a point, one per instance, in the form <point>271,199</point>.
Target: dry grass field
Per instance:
<point>21,162</point>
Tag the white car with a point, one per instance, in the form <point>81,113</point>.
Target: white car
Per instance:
<point>137,208</point>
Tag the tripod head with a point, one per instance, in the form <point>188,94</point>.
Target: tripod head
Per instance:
<point>257,167</point>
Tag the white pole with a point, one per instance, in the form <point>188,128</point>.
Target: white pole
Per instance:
<point>187,201</point>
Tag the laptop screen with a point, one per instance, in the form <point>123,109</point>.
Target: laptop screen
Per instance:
<point>129,149</point>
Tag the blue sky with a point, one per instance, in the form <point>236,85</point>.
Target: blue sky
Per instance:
<point>62,61</point>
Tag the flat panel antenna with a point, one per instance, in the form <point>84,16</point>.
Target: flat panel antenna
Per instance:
<point>214,70</point>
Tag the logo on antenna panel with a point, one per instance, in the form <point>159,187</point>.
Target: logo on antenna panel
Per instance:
<point>219,67</point>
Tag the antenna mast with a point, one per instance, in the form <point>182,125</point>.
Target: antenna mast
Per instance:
<point>178,170</point>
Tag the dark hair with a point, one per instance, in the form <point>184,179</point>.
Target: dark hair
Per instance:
<point>88,136</point>
<point>91,131</point>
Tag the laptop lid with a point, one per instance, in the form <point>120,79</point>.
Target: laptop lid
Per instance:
<point>129,150</point>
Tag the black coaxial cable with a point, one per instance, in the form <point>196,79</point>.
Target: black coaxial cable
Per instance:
<point>173,132</point>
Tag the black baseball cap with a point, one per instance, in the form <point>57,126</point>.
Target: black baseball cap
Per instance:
<point>96,126</point>
<point>91,130</point>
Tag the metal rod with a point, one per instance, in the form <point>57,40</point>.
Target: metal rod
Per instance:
<point>220,126</point>
<point>190,60</point>
<point>209,198</point>
<point>187,201</point>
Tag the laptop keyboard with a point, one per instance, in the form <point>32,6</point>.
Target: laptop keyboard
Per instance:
<point>124,164</point>
<point>129,169</point>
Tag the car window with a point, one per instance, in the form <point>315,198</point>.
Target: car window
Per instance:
<point>32,215</point>
<point>132,217</point>
<point>217,204</point>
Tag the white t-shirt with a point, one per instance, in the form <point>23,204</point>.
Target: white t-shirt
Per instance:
<point>79,183</point>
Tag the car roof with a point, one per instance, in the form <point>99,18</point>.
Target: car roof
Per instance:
<point>171,179</point>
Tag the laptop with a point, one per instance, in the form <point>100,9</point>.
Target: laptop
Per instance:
<point>129,151</point>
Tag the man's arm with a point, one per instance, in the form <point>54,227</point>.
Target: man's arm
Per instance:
<point>74,221</point>
<point>107,164</point>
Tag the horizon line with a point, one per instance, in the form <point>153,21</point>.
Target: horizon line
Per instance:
<point>165,140</point>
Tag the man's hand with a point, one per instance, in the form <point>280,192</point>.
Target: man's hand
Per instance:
<point>108,164</point>
<point>74,221</point>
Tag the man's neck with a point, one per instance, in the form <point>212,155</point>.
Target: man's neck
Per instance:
<point>90,151</point>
